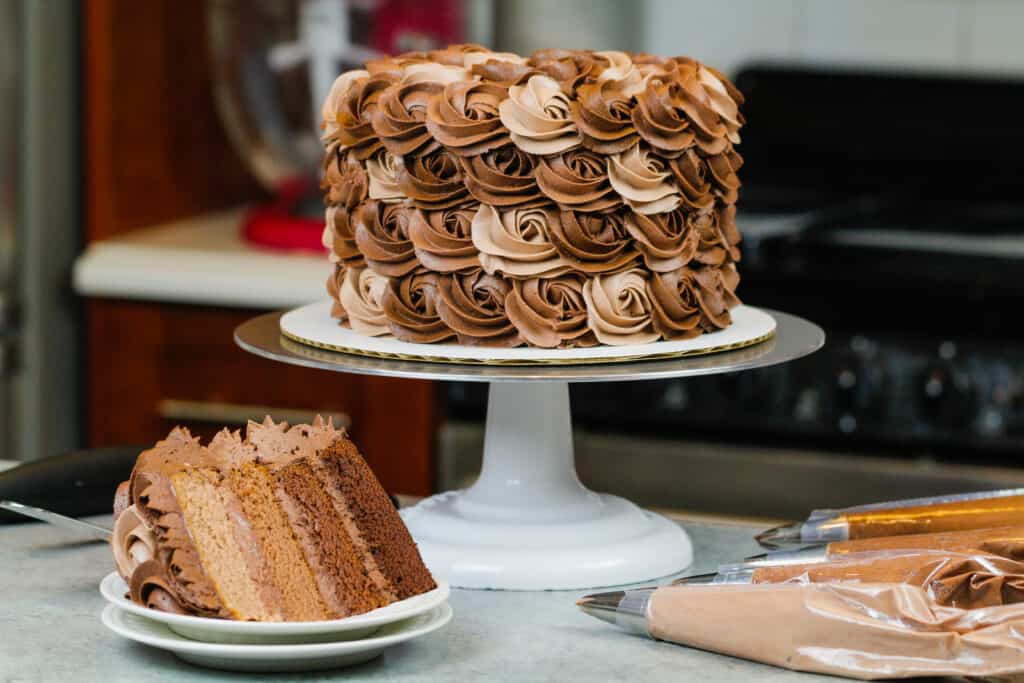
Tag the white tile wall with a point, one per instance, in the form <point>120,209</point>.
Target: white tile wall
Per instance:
<point>912,33</point>
<point>944,35</point>
<point>995,36</point>
<point>723,33</point>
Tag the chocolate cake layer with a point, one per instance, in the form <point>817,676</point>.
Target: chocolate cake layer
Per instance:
<point>388,539</point>
<point>344,582</point>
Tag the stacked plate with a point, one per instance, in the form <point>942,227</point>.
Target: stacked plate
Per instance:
<point>275,646</point>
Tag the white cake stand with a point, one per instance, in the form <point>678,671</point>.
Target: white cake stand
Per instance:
<point>528,523</point>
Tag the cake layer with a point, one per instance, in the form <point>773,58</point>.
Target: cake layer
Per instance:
<point>372,512</point>
<point>344,582</point>
<point>288,568</point>
<point>225,544</point>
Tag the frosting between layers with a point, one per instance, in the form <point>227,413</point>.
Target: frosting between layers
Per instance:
<point>495,198</point>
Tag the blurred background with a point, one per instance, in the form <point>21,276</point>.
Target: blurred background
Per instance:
<point>158,169</point>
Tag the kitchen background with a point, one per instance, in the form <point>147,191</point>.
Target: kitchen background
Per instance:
<point>154,186</point>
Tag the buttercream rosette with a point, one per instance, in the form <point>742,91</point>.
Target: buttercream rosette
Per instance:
<point>566,199</point>
<point>382,235</point>
<point>503,177</point>
<point>516,242</point>
<point>443,239</point>
<point>410,304</point>
<point>362,297</point>
<point>473,305</point>
<point>551,312</point>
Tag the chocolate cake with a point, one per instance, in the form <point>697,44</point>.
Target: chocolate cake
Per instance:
<point>287,524</point>
<point>568,199</point>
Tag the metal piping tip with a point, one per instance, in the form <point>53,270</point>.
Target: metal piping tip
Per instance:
<point>779,536</point>
<point>696,579</point>
<point>625,609</point>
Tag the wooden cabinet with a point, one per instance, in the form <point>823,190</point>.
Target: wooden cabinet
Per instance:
<point>154,150</point>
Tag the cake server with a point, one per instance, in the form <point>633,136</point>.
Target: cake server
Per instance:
<point>94,530</point>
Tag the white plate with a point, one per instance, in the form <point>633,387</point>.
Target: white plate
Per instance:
<point>210,630</point>
<point>313,325</point>
<point>268,658</point>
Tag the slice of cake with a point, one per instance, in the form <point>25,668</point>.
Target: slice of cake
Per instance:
<point>287,524</point>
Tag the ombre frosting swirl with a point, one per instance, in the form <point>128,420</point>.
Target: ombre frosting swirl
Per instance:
<point>133,542</point>
<point>565,199</point>
<point>538,116</point>
<point>443,239</point>
<point>516,242</point>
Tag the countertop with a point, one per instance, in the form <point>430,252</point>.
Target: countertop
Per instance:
<point>51,629</point>
<point>202,260</point>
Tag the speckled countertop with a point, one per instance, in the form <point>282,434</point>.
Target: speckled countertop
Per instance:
<point>50,629</point>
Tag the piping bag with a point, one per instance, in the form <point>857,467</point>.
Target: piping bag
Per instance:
<point>979,510</point>
<point>951,579</point>
<point>1005,542</point>
<point>860,630</point>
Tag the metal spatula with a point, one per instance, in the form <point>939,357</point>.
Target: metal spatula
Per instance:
<point>70,523</point>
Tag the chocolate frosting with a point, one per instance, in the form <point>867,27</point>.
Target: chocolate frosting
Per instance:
<point>715,297</point>
<point>503,177</point>
<point>603,112</point>
<point>718,236</point>
<point>667,240</point>
<point>380,171</point>
<point>711,103</point>
<point>382,234</point>
<point>432,181</point>
<point>150,586</point>
<point>676,308</point>
<point>550,312</point>
<point>619,308</point>
<point>504,73</point>
<point>691,172</point>
<point>340,237</point>
<point>642,180</point>
<point>362,294</point>
<point>344,179</point>
<point>443,239</point>
<point>538,117</point>
<point>334,283</point>
<point>465,117</point>
<point>450,163</point>
<point>515,242</point>
<point>569,68</point>
<point>577,179</point>
<point>400,118</point>
<point>621,71</point>
<point>329,112</point>
<point>660,119</point>
<point>473,305</point>
<point>353,105</point>
<point>410,304</point>
<point>593,242</point>
<point>460,54</point>
<point>132,541</point>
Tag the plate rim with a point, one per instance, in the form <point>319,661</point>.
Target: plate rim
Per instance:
<point>438,617</point>
<point>527,355</point>
<point>115,597</point>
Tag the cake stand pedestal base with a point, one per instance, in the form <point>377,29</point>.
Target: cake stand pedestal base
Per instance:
<point>528,523</point>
